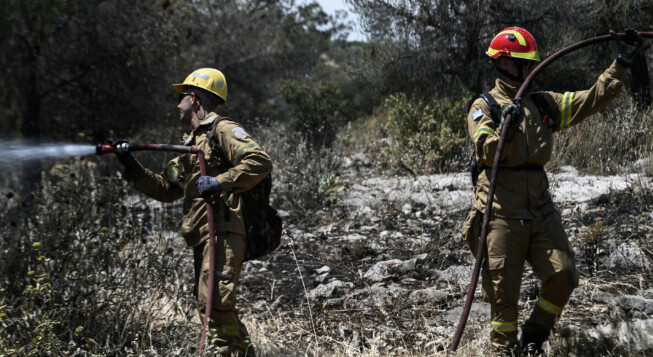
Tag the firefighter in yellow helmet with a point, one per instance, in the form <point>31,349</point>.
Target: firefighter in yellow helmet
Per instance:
<point>525,224</point>
<point>235,163</point>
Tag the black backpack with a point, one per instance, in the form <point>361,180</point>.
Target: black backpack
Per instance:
<point>263,226</point>
<point>495,112</point>
<point>262,222</point>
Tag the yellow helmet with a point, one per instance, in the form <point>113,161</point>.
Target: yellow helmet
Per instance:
<point>209,79</point>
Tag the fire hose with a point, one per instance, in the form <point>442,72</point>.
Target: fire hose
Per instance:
<point>107,149</point>
<point>495,171</point>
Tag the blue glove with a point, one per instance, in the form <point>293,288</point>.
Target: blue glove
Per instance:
<point>206,185</point>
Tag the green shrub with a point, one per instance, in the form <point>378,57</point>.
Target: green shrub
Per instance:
<point>426,137</point>
<point>318,113</point>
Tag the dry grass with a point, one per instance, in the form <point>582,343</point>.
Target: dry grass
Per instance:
<point>616,140</point>
<point>277,334</point>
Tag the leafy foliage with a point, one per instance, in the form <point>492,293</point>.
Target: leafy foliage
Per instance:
<point>84,270</point>
<point>258,45</point>
<point>76,66</point>
<point>425,137</point>
<point>436,48</point>
<point>91,70</point>
<point>318,113</point>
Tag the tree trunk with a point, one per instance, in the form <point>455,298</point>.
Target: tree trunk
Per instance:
<point>640,85</point>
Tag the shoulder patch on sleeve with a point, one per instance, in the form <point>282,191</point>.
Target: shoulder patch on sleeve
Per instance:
<point>239,133</point>
<point>477,114</point>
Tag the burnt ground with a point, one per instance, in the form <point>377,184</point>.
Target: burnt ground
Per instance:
<point>384,271</point>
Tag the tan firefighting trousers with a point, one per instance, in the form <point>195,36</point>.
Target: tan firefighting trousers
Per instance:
<point>510,242</point>
<point>227,334</point>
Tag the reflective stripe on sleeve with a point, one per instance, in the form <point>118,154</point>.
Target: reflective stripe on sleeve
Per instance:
<point>501,326</point>
<point>483,130</point>
<point>549,306</point>
<point>172,174</point>
<point>224,330</point>
<point>244,149</point>
<point>567,100</point>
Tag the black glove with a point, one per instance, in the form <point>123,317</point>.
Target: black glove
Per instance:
<point>516,114</point>
<point>133,168</point>
<point>627,46</point>
<point>124,155</point>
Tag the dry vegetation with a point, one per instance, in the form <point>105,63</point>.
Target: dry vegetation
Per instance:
<point>88,267</point>
<point>91,268</point>
<point>614,141</point>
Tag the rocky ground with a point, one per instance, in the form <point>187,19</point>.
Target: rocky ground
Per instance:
<point>385,271</point>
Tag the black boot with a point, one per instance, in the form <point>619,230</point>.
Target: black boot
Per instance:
<point>531,341</point>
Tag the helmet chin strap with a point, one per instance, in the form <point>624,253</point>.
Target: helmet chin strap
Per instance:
<point>203,114</point>
<point>199,108</point>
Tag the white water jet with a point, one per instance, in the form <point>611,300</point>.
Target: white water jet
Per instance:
<point>12,153</point>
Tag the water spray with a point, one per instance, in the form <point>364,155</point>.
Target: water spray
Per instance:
<point>15,153</point>
<point>12,153</point>
<point>495,171</point>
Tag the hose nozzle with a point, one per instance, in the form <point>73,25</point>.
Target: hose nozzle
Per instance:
<point>118,147</point>
<point>104,149</point>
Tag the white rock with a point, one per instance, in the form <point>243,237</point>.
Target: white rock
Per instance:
<point>355,237</point>
<point>457,274</point>
<point>429,295</point>
<point>629,256</point>
<point>324,269</point>
<point>328,290</point>
<point>283,214</point>
<point>632,333</point>
<point>381,270</point>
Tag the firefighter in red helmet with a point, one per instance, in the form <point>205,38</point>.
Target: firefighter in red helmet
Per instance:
<point>525,225</point>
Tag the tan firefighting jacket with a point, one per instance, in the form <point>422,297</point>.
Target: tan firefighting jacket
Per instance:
<point>523,193</point>
<point>232,156</point>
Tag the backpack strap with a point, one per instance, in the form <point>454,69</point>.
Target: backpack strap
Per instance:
<point>543,106</point>
<point>214,124</point>
<point>217,151</point>
<point>495,109</point>
<point>495,114</point>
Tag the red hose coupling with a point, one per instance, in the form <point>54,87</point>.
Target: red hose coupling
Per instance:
<point>104,149</point>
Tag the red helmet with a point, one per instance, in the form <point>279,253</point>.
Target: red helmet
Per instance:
<point>514,42</point>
